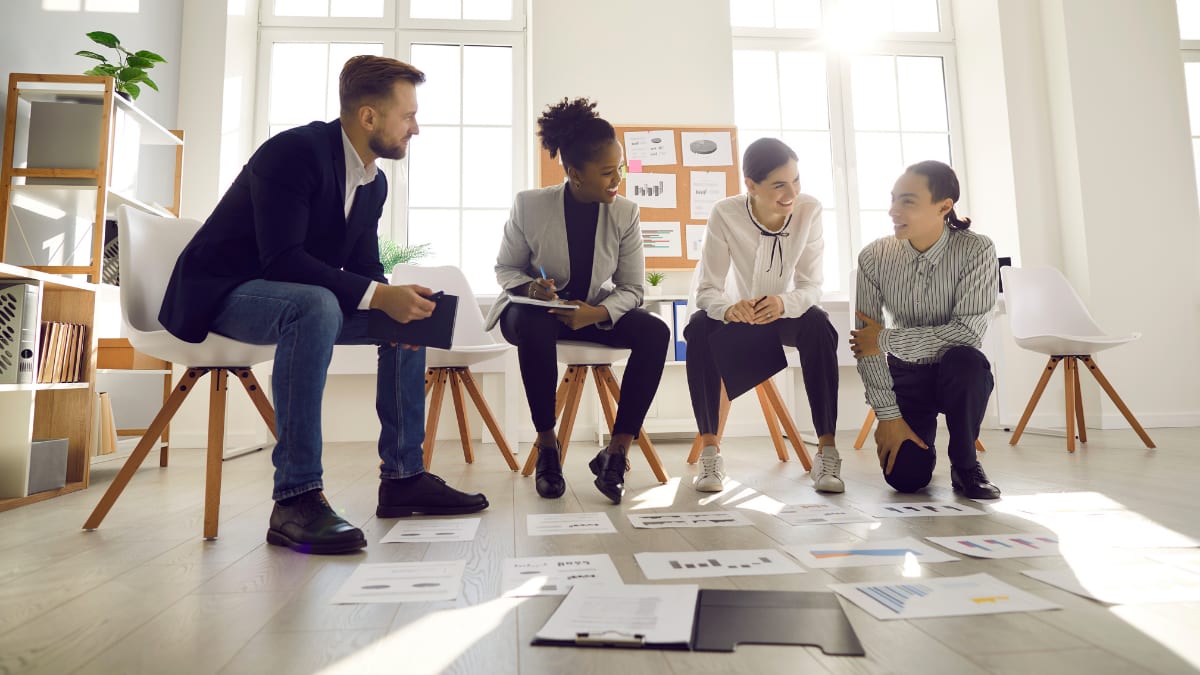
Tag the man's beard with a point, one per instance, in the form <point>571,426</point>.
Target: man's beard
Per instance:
<point>387,152</point>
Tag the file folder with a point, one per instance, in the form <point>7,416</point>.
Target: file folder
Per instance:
<point>437,330</point>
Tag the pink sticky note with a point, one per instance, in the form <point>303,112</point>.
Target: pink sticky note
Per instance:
<point>635,166</point>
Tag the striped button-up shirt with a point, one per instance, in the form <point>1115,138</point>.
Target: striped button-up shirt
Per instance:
<point>935,300</point>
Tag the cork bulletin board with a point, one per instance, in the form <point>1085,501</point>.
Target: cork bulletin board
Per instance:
<point>675,175</point>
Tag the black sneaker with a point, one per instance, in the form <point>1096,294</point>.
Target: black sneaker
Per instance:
<point>549,479</point>
<point>973,483</point>
<point>307,523</point>
<point>610,469</point>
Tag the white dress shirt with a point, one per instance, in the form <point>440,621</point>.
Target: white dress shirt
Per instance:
<point>937,299</point>
<point>742,260</point>
<point>357,174</point>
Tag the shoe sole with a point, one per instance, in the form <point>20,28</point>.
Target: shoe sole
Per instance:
<point>614,497</point>
<point>406,511</point>
<point>835,490</point>
<point>276,538</point>
<point>709,488</point>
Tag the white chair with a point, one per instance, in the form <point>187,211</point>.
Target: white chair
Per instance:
<point>149,246</point>
<point>470,345</point>
<point>1047,316</point>
<point>580,357</point>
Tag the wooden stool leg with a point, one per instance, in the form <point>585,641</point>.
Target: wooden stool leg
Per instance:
<point>468,382</point>
<point>567,423</point>
<point>186,383</point>
<point>1082,424</point>
<point>643,439</point>
<point>560,400</point>
<point>254,390</point>
<point>430,378</point>
<point>772,422</point>
<point>1033,400</point>
<point>723,415</point>
<point>435,414</point>
<point>868,422</point>
<point>1069,395</point>
<point>606,403</point>
<point>979,446</point>
<point>165,450</point>
<point>216,448</point>
<point>1094,369</point>
<point>789,426</point>
<point>460,412</point>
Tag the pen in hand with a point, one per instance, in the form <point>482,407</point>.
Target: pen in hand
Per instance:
<point>547,284</point>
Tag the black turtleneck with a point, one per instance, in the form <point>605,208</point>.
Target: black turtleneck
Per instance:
<point>581,220</point>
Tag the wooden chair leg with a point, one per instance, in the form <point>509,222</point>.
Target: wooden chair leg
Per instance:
<point>1069,395</point>
<point>606,403</point>
<point>1094,369</point>
<point>430,378</point>
<point>254,390</point>
<point>1033,400</point>
<point>772,423</point>
<point>460,412</point>
<point>1081,423</point>
<point>868,422</point>
<point>560,400</point>
<point>643,439</point>
<point>165,448</point>
<point>216,449</point>
<point>186,383</point>
<point>567,423</point>
<point>722,417</point>
<point>979,446</point>
<point>468,382</point>
<point>789,426</point>
<point>435,413</point>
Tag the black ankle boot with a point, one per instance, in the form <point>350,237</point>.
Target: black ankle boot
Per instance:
<point>609,468</point>
<point>549,478</point>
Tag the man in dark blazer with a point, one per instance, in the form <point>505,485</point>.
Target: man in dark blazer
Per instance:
<point>290,257</point>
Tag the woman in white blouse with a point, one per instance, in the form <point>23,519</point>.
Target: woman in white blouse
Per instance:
<point>761,265</point>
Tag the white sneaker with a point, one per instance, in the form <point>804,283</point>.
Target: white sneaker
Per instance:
<point>712,471</point>
<point>827,470</point>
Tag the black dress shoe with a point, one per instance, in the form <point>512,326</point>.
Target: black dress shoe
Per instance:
<point>610,474</point>
<point>424,493</point>
<point>308,524</point>
<point>973,483</point>
<point>549,478</point>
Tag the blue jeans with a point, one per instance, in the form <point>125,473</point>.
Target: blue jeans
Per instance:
<point>305,322</point>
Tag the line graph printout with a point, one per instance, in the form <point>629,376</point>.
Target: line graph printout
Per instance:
<point>1024,545</point>
<point>917,509</point>
<point>688,564</point>
<point>867,553</point>
<point>940,596</point>
<point>689,519</point>
<point>541,524</point>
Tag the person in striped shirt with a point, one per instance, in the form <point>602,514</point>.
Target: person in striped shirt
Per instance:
<point>938,283</point>
<point>761,265</point>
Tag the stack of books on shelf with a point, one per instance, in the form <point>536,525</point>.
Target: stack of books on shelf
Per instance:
<point>63,353</point>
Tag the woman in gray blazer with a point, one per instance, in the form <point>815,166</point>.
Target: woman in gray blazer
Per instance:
<point>579,242</point>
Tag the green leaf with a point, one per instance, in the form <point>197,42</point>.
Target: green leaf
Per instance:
<point>131,74</point>
<point>132,89</point>
<point>146,54</point>
<point>92,55</point>
<point>106,39</point>
<point>104,69</point>
<point>139,62</point>
<point>148,82</point>
<point>122,50</point>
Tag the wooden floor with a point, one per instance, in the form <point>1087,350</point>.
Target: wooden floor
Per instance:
<point>145,594</point>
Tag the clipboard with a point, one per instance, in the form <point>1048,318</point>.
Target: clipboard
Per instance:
<point>723,619</point>
<point>671,626</point>
<point>746,354</point>
<point>437,330</point>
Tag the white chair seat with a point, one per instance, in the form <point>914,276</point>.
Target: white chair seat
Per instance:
<point>1073,344</point>
<point>216,350</point>
<point>590,353</point>
<point>463,357</point>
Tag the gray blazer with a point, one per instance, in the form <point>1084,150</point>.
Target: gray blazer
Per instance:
<point>535,236</point>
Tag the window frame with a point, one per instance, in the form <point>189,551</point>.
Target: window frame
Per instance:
<point>395,17</point>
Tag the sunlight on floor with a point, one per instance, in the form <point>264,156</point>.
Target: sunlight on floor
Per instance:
<point>429,644</point>
<point>657,497</point>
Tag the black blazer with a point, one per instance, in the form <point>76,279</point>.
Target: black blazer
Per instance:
<point>283,219</point>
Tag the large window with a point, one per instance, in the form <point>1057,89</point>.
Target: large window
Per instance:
<point>454,189</point>
<point>859,89</point>
<point>1189,35</point>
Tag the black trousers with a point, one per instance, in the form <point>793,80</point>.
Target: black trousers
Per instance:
<point>811,334</point>
<point>535,333</point>
<point>959,387</point>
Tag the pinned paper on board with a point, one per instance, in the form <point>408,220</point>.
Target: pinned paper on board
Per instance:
<point>651,190</point>
<point>651,148</point>
<point>694,239</point>
<point>708,188</point>
<point>707,148</point>
<point>661,240</point>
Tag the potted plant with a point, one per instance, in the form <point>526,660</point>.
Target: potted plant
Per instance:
<point>392,254</point>
<point>654,281</point>
<point>129,70</point>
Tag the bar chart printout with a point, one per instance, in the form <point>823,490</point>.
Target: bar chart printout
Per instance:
<point>867,553</point>
<point>690,564</point>
<point>1021,545</point>
<point>940,597</point>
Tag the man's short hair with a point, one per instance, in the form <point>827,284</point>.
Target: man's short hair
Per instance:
<point>369,79</point>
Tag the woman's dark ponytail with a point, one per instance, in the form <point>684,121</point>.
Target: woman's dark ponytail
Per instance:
<point>943,184</point>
